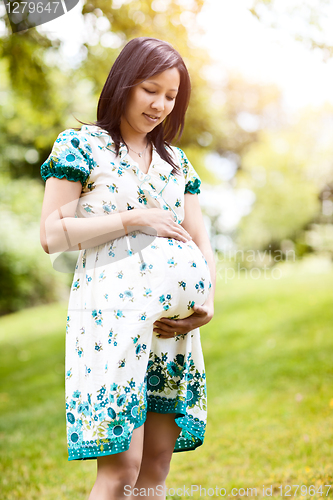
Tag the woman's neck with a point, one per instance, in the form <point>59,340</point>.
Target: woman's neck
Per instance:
<point>136,140</point>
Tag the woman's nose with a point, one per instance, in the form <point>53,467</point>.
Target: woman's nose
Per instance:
<point>158,103</point>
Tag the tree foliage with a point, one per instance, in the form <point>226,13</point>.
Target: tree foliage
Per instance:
<point>304,20</point>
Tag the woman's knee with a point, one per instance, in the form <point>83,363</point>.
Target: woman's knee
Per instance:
<point>156,463</point>
<point>114,477</point>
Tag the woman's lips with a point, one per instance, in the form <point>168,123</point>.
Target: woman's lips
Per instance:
<point>151,118</point>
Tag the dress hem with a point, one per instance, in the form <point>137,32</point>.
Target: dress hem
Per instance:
<point>191,435</point>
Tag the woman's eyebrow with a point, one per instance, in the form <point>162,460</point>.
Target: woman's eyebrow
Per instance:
<point>155,83</point>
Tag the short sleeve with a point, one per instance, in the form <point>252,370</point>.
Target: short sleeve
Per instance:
<point>192,179</point>
<point>71,157</point>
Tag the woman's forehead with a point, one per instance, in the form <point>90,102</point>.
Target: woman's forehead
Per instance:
<point>169,77</point>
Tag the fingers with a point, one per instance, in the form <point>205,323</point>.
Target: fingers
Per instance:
<point>181,234</point>
<point>163,328</point>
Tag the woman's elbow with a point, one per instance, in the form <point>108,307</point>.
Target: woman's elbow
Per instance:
<point>49,244</point>
<point>44,245</point>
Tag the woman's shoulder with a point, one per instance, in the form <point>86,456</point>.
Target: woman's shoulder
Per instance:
<point>86,134</point>
<point>179,155</point>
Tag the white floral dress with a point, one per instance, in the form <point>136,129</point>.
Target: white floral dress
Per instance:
<point>117,369</point>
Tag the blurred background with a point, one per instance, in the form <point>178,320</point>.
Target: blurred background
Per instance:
<point>259,132</point>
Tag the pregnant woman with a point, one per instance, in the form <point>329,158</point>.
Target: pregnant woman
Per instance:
<point>117,191</point>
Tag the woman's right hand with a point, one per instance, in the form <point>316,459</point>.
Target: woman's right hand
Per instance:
<point>159,222</point>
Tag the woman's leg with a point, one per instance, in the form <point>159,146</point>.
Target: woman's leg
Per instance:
<point>160,434</point>
<point>114,472</point>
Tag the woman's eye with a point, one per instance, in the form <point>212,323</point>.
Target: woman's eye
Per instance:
<point>150,91</point>
<point>171,98</point>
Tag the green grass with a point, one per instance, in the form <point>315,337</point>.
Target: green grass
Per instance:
<point>268,354</point>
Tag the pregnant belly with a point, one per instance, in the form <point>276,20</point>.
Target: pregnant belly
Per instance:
<point>162,276</point>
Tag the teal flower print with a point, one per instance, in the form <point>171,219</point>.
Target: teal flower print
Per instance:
<point>121,363</point>
<point>166,301</point>
<point>143,266</point>
<point>84,408</point>
<point>143,316</point>
<point>155,381</point>
<point>172,262</point>
<point>120,275</point>
<point>193,186</point>
<point>75,436</point>
<point>76,285</point>
<point>108,207</point>
<point>139,349</point>
<point>127,294</point>
<point>129,207</point>
<point>110,251</point>
<point>88,208</point>
<point>69,158</point>
<point>148,292</point>
<point>118,430</point>
<point>190,304</point>
<point>119,314</point>
<point>101,393</point>
<point>142,197</point>
<point>91,186</point>
<point>182,284</point>
<point>67,323</point>
<point>97,317</point>
<point>174,369</point>
<point>112,414</point>
<point>78,349</point>
<point>132,410</point>
<point>70,418</point>
<point>98,346</point>
<point>76,394</point>
<point>112,337</point>
<point>180,359</point>
<point>200,286</point>
<point>192,395</point>
<point>178,203</point>
<point>112,188</point>
<point>121,400</point>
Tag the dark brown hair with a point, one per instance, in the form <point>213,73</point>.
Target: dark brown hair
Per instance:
<point>140,59</point>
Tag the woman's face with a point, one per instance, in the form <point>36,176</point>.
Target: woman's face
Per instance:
<point>151,101</point>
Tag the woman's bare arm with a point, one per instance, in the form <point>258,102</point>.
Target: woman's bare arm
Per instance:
<point>61,231</point>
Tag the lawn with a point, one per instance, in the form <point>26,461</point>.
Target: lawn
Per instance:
<point>268,354</point>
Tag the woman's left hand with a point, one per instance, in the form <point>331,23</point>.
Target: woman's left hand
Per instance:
<point>165,328</point>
